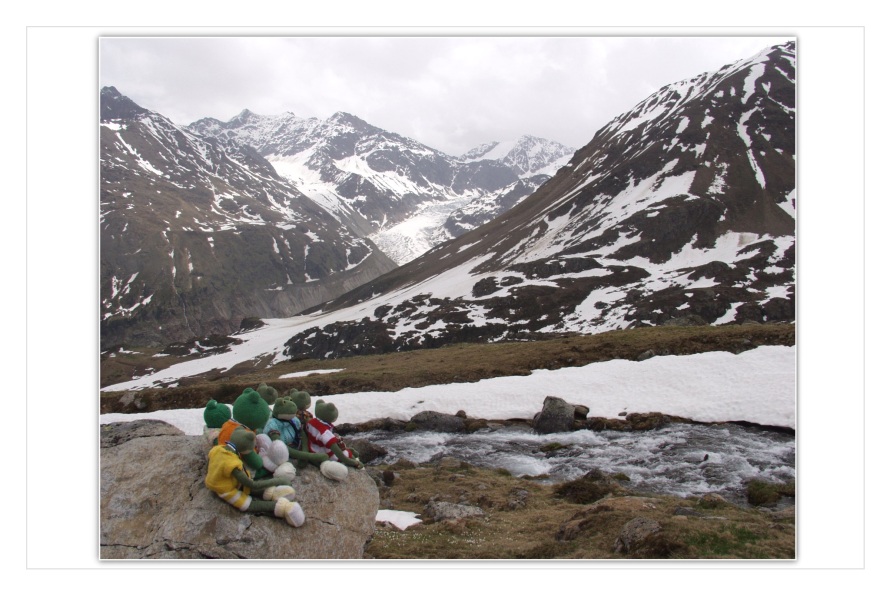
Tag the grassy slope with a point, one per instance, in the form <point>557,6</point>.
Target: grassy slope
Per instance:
<point>459,363</point>
<point>544,525</point>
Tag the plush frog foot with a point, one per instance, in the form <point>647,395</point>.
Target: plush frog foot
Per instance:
<point>276,492</point>
<point>290,512</point>
<point>285,470</point>
<point>334,471</point>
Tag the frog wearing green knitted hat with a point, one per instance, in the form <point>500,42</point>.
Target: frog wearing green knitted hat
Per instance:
<point>215,415</point>
<point>251,412</point>
<point>230,480</point>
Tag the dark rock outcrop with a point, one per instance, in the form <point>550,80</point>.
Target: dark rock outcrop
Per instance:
<point>438,422</point>
<point>556,416</point>
<point>154,505</point>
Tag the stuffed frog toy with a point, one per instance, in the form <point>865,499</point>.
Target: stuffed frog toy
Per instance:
<point>215,415</point>
<point>322,437</point>
<point>230,480</point>
<point>285,428</point>
<point>251,412</point>
<point>268,393</point>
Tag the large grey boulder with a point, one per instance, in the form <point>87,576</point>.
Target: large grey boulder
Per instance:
<point>557,415</point>
<point>153,504</point>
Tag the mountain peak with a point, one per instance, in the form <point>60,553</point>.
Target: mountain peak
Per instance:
<point>114,105</point>
<point>342,117</point>
<point>245,116</point>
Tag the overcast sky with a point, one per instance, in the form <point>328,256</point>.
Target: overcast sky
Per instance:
<point>450,93</point>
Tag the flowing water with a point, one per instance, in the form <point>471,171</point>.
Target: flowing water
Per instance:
<point>679,459</point>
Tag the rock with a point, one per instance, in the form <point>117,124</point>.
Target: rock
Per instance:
<point>581,412</point>
<point>646,355</point>
<point>555,416</point>
<point>517,499</point>
<point>635,533</point>
<point>589,488</point>
<point>153,504</point>
<point>402,463</point>
<point>687,512</point>
<point>446,462</point>
<point>712,500</point>
<point>387,424</point>
<point>474,424</point>
<point>118,433</point>
<point>633,421</point>
<point>449,511</point>
<point>366,451</point>
<point>438,422</point>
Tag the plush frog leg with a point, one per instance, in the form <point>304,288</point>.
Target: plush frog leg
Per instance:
<point>256,489</point>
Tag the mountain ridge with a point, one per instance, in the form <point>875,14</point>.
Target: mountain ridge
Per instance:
<point>392,189</point>
<point>196,237</point>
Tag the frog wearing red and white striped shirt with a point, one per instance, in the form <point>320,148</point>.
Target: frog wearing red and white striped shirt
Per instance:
<point>323,438</point>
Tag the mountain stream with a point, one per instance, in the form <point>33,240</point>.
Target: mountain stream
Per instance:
<point>678,459</point>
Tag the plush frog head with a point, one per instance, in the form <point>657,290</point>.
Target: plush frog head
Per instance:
<point>284,409</point>
<point>216,414</point>
<point>325,411</point>
<point>301,398</point>
<point>268,393</point>
<point>243,440</point>
<point>251,410</point>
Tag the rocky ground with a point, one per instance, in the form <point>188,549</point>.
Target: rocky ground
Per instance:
<point>475,513</point>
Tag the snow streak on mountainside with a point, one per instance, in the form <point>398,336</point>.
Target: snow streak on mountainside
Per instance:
<point>195,238</point>
<point>392,189</point>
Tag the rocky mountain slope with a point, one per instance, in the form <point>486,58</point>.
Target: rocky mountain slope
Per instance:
<point>389,188</point>
<point>680,211</point>
<point>196,237</point>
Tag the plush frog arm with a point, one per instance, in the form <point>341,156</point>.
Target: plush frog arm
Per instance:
<point>258,485</point>
<point>344,459</point>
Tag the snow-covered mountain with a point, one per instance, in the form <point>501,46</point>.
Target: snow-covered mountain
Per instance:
<point>527,156</point>
<point>680,211</point>
<point>196,237</point>
<point>389,188</point>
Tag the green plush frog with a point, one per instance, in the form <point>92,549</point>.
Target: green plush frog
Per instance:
<point>322,437</point>
<point>251,412</point>
<point>268,393</point>
<point>228,478</point>
<point>284,426</point>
